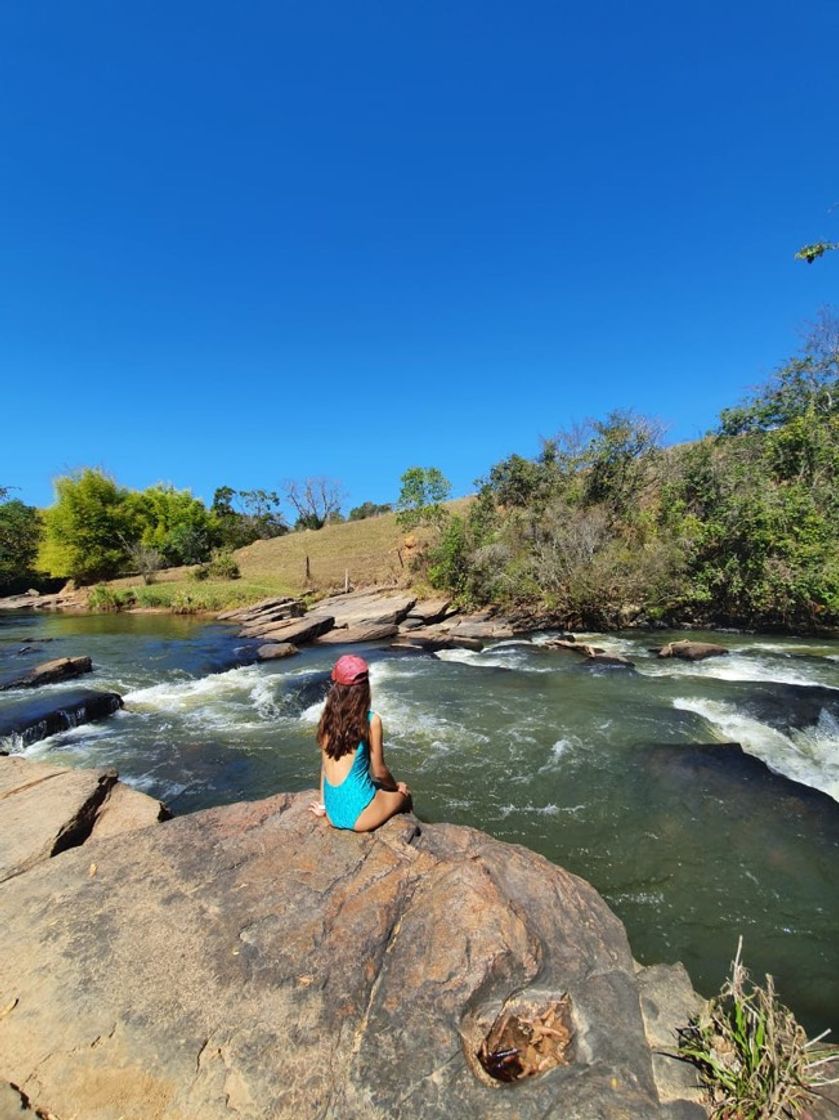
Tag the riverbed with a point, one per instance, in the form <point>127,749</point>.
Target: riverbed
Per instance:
<point>604,770</point>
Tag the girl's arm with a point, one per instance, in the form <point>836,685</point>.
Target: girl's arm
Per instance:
<point>378,768</point>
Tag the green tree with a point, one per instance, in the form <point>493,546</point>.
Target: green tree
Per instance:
<point>424,489</point>
<point>90,528</point>
<point>618,460</point>
<point>368,509</point>
<point>20,534</point>
<point>171,522</point>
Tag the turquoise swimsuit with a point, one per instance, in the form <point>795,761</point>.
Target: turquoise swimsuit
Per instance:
<point>347,801</point>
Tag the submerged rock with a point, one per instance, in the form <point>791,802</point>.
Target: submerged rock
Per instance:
<point>251,959</point>
<point>33,720</point>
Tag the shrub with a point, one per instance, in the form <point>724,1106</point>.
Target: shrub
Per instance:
<point>753,1056</point>
<point>223,566</point>
<point>200,573</point>
<point>104,598</point>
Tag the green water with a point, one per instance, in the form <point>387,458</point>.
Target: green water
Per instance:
<point>597,770</point>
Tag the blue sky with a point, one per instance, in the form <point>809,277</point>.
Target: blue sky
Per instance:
<point>244,243</point>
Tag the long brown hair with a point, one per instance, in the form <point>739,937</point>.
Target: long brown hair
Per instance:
<point>344,722</point>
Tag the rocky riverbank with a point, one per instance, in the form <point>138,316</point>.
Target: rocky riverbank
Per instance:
<point>251,960</point>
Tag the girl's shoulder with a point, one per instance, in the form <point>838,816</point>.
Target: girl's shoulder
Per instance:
<point>374,719</point>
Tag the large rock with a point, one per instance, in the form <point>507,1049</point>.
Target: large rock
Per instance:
<point>430,610</point>
<point>297,631</point>
<point>367,608</point>
<point>32,720</point>
<point>691,651</point>
<point>45,809</point>
<point>50,672</point>
<point>125,810</point>
<point>364,632</point>
<point>267,610</point>
<point>275,651</point>
<point>250,960</point>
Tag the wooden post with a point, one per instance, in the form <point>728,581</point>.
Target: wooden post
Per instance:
<point>308,571</point>
<point>346,580</point>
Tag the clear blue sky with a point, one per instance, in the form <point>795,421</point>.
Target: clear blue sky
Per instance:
<point>247,242</point>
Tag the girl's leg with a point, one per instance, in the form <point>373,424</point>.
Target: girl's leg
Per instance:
<point>385,804</point>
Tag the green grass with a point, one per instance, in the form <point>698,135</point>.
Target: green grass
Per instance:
<point>185,596</point>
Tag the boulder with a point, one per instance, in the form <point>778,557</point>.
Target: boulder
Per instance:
<point>295,630</point>
<point>32,720</point>
<point>251,960</point>
<point>433,638</point>
<point>45,809</point>
<point>691,651</point>
<point>430,610</point>
<point>363,632</point>
<point>363,608</point>
<point>274,651</point>
<point>590,654</point>
<point>50,672</point>
<point>267,610</point>
<point>125,810</point>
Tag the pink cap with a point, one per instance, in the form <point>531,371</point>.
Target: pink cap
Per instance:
<point>350,669</point>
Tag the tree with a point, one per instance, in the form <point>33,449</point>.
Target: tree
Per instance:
<point>618,458</point>
<point>368,509</point>
<point>90,527</point>
<point>423,491</point>
<point>258,516</point>
<point>314,499</point>
<point>20,534</point>
<point>173,523</point>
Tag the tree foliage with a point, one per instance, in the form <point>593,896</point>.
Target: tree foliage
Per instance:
<point>606,527</point>
<point>90,527</point>
<point>368,509</point>
<point>20,534</point>
<point>423,491</point>
<point>244,516</point>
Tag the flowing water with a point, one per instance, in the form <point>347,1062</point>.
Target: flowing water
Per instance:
<point>599,769</point>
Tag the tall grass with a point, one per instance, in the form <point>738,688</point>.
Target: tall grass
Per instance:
<point>754,1058</point>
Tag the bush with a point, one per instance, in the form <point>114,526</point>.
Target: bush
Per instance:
<point>200,573</point>
<point>104,598</point>
<point>753,1056</point>
<point>223,566</point>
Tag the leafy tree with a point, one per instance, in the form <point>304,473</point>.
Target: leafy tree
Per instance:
<point>171,522</point>
<point>618,460</point>
<point>423,491</point>
<point>368,509</point>
<point>807,383</point>
<point>314,499</point>
<point>90,528</point>
<point>20,534</point>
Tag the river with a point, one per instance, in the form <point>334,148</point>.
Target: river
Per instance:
<point>601,770</point>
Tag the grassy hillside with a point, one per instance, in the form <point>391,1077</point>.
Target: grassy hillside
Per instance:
<point>372,552</point>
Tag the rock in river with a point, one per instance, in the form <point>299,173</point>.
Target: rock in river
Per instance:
<point>250,960</point>
<point>32,720</point>
<point>50,672</point>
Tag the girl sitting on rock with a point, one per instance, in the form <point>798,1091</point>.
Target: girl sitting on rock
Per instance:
<point>357,789</point>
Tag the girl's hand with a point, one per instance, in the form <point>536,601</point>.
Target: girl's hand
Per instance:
<point>318,809</point>
<point>403,789</point>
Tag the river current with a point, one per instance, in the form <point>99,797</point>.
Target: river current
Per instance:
<point>605,771</point>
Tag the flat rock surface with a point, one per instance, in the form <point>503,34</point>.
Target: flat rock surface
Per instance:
<point>251,961</point>
<point>295,630</point>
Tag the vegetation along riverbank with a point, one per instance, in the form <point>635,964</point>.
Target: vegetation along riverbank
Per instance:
<point>604,528</point>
